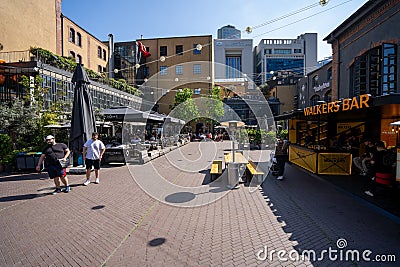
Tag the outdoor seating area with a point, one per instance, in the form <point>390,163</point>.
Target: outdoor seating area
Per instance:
<point>216,169</point>
<point>254,171</point>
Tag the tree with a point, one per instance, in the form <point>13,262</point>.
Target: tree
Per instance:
<point>214,108</point>
<point>184,107</point>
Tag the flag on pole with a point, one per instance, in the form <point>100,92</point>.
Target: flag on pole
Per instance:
<point>142,49</point>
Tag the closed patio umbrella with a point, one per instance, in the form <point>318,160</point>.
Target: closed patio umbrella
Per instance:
<point>83,122</point>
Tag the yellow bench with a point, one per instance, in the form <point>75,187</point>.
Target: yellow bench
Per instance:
<point>216,169</point>
<point>252,167</point>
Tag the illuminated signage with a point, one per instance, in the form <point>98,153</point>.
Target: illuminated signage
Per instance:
<point>336,106</point>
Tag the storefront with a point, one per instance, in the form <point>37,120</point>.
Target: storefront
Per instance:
<point>322,135</point>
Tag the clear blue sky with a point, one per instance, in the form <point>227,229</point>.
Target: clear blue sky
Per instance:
<point>127,20</point>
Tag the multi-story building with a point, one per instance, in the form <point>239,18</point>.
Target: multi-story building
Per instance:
<point>229,32</point>
<point>43,25</point>
<point>174,63</point>
<point>233,58</point>
<point>295,55</point>
<point>355,97</point>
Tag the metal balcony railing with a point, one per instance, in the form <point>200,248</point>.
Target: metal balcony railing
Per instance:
<point>16,56</point>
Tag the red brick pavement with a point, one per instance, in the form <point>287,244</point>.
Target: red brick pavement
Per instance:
<point>116,223</point>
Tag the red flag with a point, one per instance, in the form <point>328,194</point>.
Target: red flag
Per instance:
<point>143,50</point>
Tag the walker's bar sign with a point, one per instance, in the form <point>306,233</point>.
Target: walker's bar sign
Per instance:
<point>343,105</point>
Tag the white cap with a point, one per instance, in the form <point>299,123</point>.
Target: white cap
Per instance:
<point>49,137</point>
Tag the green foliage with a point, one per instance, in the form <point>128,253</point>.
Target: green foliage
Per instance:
<point>283,133</point>
<point>5,148</point>
<point>184,106</point>
<point>69,64</point>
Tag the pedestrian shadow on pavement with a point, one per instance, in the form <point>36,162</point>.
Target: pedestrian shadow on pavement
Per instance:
<point>22,197</point>
<point>15,178</point>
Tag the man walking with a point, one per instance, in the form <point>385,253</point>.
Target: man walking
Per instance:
<point>93,151</point>
<point>51,156</point>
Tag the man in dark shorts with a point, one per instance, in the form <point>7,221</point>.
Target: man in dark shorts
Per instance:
<point>51,156</point>
<point>93,151</point>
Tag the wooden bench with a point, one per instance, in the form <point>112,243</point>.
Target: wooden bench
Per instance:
<point>216,169</point>
<point>252,168</point>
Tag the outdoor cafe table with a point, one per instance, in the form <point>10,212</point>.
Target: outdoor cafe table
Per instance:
<point>239,158</point>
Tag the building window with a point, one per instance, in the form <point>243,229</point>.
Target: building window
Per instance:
<point>163,70</point>
<point>329,73</point>
<point>374,72</point>
<point>197,91</point>
<point>179,69</point>
<point>146,72</point>
<point>71,35</point>
<point>315,81</point>
<point>267,51</point>
<point>196,69</point>
<point>163,51</point>
<point>72,54</point>
<point>99,68</point>
<point>104,54</point>
<point>389,79</point>
<point>328,96</point>
<point>297,51</point>
<point>195,50</point>
<point>283,51</point>
<point>233,67</point>
<point>79,57</point>
<point>104,69</point>
<point>314,100</point>
<point>179,50</point>
<point>79,39</point>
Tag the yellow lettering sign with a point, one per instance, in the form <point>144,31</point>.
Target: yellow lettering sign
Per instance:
<point>344,105</point>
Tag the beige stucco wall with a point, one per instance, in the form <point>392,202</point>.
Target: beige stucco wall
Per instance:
<point>26,23</point>
<point>88,48</point>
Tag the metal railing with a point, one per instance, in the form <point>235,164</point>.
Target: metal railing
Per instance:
<point>16,56</point>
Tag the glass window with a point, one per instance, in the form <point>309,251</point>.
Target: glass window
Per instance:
<point>297,51</point>
<point>197,91</point>
<point>72,54</point>
<point>267,51</point>
<point>196,69</point>
<point>282,51</point>
<point>163,70</point>
<point>71,35</point>
<point>78,39</point>
<point>315,81</point>
<point>99,68</point>
<point>233,67</point>
<point>99,52</point>
<point>104,54</point>
<point>179,69</point>
<point>195,50</point>
<point>329,73</point>
<point>79,59</point>
<point>389,75</point>
<point>314,100</point>
<point>179,50</point>
<point>163,51</point>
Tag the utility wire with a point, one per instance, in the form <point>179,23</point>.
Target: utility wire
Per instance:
<point>313,15</point>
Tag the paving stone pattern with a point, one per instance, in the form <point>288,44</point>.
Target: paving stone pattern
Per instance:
<point>116,223</point>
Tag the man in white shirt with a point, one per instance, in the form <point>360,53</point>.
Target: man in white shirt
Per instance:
<point>93,151</point>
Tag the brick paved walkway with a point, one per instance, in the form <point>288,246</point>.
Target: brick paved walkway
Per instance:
<point>116,223</point>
